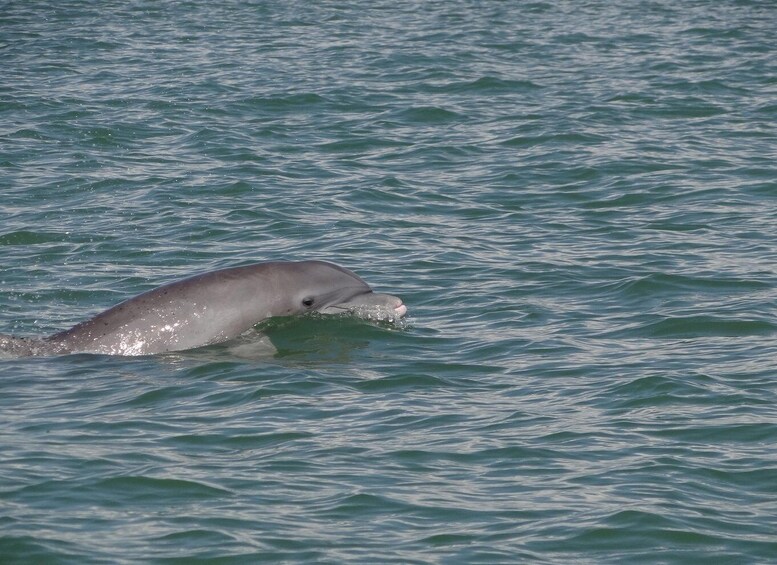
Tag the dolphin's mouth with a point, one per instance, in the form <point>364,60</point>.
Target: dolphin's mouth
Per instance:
<point>370,306</point>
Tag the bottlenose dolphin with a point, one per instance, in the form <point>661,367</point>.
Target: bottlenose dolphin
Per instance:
<point>214,307</point>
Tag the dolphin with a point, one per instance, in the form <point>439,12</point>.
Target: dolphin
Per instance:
<point>214,307</point>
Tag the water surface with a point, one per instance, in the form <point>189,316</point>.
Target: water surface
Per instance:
<point>576,200</point>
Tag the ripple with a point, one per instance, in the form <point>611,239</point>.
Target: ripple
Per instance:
<point>428,115</point>
<point>698,326</point>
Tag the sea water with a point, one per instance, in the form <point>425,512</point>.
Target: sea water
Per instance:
<point>577,201</point>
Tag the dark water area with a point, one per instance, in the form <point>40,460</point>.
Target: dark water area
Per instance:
<point>575,200</point>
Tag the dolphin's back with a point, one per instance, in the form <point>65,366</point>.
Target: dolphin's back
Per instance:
<point>180,313</point>
<point>28,346</point>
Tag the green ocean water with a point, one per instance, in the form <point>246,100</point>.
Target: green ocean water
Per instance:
<point>576,200</point>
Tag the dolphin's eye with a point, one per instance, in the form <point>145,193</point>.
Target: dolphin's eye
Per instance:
<point>307,302</point>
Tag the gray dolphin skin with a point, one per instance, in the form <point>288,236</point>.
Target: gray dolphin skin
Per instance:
<point>214,307</point>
